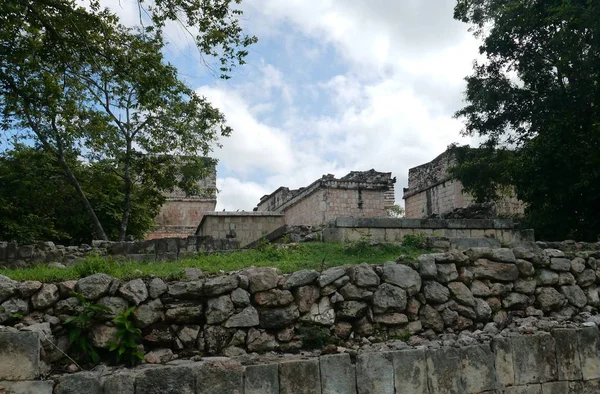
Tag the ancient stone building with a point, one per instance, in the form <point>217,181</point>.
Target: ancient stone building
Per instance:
<point>432,190</point>
<point>181,213</point>
<point>359,194</point>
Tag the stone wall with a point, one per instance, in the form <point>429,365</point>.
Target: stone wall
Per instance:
<point>164,249</point>
<point>431,190</point>
<point>259,310</point>
<point>566,361</point>
<point>351,229</point>
<point>180,217</point>
<point>244,227</point>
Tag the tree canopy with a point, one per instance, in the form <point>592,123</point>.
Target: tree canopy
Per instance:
<point>80,85</point>
<point>537,93</point>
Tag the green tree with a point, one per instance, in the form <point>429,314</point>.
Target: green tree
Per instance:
<point>38,204</point>
<point>537,92</point>
<point>77,82</point>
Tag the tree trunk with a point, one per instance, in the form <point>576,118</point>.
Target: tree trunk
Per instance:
<point>127,202</point>
<point>88,207</point>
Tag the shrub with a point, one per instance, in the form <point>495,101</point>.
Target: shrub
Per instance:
<point>314,337</point>
<point>125,347</point>
<point>416,241</point>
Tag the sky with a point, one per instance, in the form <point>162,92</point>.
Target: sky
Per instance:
<point>332,86</point>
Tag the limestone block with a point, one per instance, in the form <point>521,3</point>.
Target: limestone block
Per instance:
<point>505,374</point>
<point>527,389</point>
<point>410,371</point>
<point>300,377</point>
<point>220,376</point>
<point>77,383</point>
<point>444,371</point>
<point>589,345</point>
<point>534,359</point>
<point>27,387</point>
<point>338,374</point>
<point>375,373</point>
<point>555,388</point>
<point>567,354</point>
<point>585,387</point>
<point>261,379</point>
<point>19,355</point>
<point>122,382</point>
<point>166,380</point>
<point>477,369</point>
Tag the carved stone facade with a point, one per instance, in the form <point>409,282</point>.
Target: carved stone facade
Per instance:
<point>181,213</point>
<point>359,194</point>
<point>432,191</point>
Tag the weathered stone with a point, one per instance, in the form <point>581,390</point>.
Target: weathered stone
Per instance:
<point>330,275</point>
<point>483,312</point>
<point>156,288</point>
<point>410,371</point>
<point>300,278</point>
<point>589,343</point>
<point>262,279</point>
<point>586,278</point>
<point>351,309</point>
<point>449,316</point>
<point>363,327</point>
<point>402,276</point>
<point>103,335</point>
<point>363,276</point>
<point>566,279</point>
<point>220,285</point>
<point>261,379</point>
<point>27,288</point>
<point>77,383</point>
<point>444,366</point>
<point>19,355</point>
<point>188,335</point>
<point>391,319</point>
<point>436,292</point>
<point>278,317</point>
<point>480,289</point>
<point>412,306</point>
<point>465,275</point>
<point>148,313</point>
<point>577,265</point>
<point>427,267</point>
<point>13,307</point>
<point>246,318</point>
<point>446,273</point>
<point>560,264</point>
<point>94,286</point>
<point>534,359</point>
<point>46,297</point>
<point>341,281</point>
<point>477,369</point>
<point>217,338</point>
<point>220,376</point>
<point>503,361</point>
<point>549,299</point>
<point>389,298</point>
<point>486,269</point>
<point>120,382</point>
<point>300,377</point>
<point>375,373</point>
<point>321,313</point>
<point>166,380</point>
<point>430,318</point>
<point>567,354</point>
<point>67,288</point>
<point>115,306</point>
<point>352,292</point>
<point>525,268</point>
<point>461,293</point>
<point>342,329</point>
<point>68,307</point>
<point>498,289</point>
<point>515,301</point>
<point>134,291</point>
<point>503,255</point>
<point>191,289</point>
<point>525,286</point>
<point>574,295</point>
<point>219,309</point>
<point>273,298</point>
<point>338,374</point>
<point>305,297</point>
<point>8,287</point>
<point>546,278</point>
<point>240,297</point>
<point>27,387</point>
<point>261,341</point>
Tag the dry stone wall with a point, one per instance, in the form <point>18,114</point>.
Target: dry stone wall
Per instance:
<point>259,310</point>
<point>166,249</point>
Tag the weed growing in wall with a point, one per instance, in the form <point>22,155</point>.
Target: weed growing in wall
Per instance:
<point>416,241</point>
<point>79,327</point>
<point>128,337</point>
<point>315,337</point>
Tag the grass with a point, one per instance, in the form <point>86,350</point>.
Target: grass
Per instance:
<point>288,258</point>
